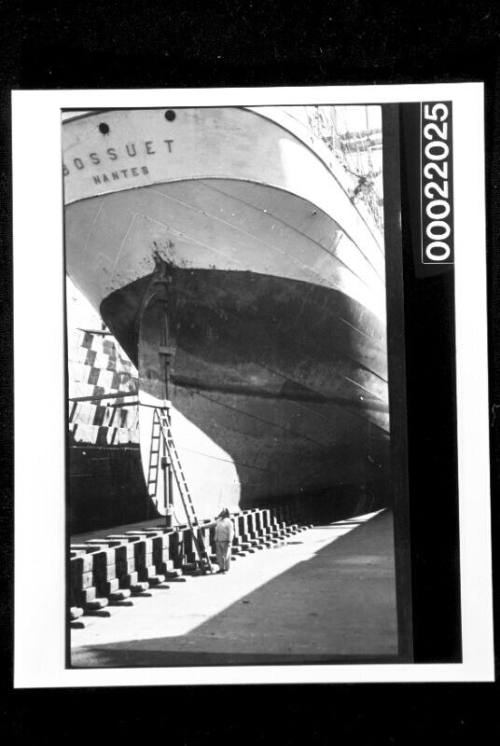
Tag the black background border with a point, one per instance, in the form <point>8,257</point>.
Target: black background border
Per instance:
<point>182,44</point>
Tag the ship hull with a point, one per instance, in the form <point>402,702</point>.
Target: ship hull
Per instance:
<point>274,303</point>
<point>274,392</point>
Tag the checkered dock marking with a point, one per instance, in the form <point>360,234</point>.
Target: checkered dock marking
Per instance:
<point>97,366</point>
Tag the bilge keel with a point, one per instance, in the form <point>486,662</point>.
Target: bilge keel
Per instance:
<point>226,255</point>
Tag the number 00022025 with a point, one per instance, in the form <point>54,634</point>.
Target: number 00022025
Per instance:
<point>436,192</point>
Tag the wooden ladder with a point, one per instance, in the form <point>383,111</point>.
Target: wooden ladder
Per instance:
<point>154,457</point>
<point>162,428</point>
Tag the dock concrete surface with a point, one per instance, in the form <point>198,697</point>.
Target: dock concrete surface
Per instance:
<point>326,595</point>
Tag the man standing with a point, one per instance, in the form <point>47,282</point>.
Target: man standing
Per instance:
<point>224,532</point>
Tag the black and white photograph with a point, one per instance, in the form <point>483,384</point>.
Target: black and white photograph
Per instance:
<point>258,306</point>
<point>229,409</point>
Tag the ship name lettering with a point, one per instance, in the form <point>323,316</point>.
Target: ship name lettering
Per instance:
<point>123,173</point>
<point>128,150</point>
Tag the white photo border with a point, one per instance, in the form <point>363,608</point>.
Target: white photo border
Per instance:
<point>39,364</point>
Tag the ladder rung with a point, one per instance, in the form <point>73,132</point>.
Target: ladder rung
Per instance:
<point>162,419</point>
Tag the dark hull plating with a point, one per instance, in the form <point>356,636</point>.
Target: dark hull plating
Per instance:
<point>287,378</point>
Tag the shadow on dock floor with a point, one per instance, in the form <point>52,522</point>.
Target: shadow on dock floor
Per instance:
<point>335,605</point>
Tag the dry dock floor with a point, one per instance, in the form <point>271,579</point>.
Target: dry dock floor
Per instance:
<point>328,594</point>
